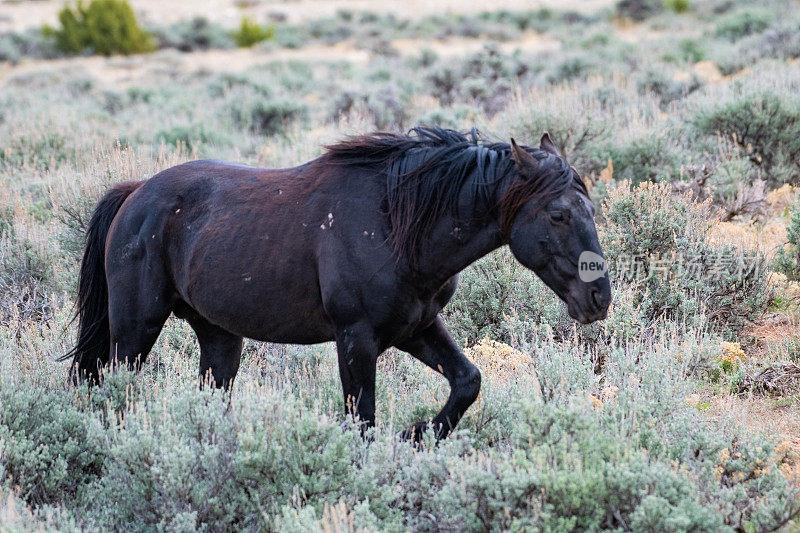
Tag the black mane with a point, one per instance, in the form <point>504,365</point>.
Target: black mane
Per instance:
<point>427,170</point>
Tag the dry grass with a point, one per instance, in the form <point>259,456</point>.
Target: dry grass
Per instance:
<point>500,362</point>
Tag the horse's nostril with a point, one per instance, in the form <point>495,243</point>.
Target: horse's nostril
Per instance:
<point>596,298</point>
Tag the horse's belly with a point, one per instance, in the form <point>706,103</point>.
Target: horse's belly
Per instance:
<point>266,306</point>
<point>273,322</point>
<point>309,332</point>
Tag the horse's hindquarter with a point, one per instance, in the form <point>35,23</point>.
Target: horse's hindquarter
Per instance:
<point>239,250</point>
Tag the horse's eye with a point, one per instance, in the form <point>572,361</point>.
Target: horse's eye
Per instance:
<point>558,216</point>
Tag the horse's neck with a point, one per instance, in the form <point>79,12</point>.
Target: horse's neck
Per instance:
<point>456,242</point>
<point>454,245</point>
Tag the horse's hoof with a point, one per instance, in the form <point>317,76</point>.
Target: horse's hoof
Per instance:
<point>414,433</point>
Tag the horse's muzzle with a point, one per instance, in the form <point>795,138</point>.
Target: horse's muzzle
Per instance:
<point>592,301</point>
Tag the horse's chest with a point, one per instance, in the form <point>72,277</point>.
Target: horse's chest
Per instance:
<point>405,317</point>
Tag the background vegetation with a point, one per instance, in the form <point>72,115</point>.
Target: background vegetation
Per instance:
<point>677,413</point>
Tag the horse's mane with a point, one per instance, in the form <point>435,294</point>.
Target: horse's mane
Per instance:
<point>427,170</point>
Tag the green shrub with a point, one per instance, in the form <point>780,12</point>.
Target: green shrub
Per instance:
<point>105,26</point>
<point>678,6</point>
<point>765,124</point>
<point>50,449</point>
<point>250,33</point>
<point>659,242</point>
<point>787,258</point>
<point>743,22</point>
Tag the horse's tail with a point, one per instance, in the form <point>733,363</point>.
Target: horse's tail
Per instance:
<point>94,335</point>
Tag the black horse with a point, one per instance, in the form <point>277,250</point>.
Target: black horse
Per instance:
<point>362,246</point>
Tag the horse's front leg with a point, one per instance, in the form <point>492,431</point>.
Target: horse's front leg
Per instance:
<point>434,347</point>
<point>358,352</point>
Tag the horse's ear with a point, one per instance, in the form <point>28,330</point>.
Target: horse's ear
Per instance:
<point>547,145</point>
<point>523,159</point>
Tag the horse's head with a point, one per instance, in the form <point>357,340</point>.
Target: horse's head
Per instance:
<point>553,233</point>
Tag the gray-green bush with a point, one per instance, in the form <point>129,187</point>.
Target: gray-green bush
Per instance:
<point>743,22</point>
<point>496,297</point>
<point>765,124</point>
<point>650,157</point>
<point>268,117</point>
<point>178,458</point>
<point>26,275</point>
<point>659,243</point>
<point>198,33</point>
<point>639,9</point>
<point>48,447</point>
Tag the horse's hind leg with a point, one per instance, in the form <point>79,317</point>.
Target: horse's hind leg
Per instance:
<point>136,313</point>
<point>220,352</point>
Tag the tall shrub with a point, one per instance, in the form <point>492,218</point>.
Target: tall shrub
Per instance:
<point>766,124</point>
<point>250,33</point>
<point>106,27</point>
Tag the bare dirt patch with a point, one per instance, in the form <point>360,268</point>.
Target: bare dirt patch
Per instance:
<point>773,416</point>
<point>774,331</point>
